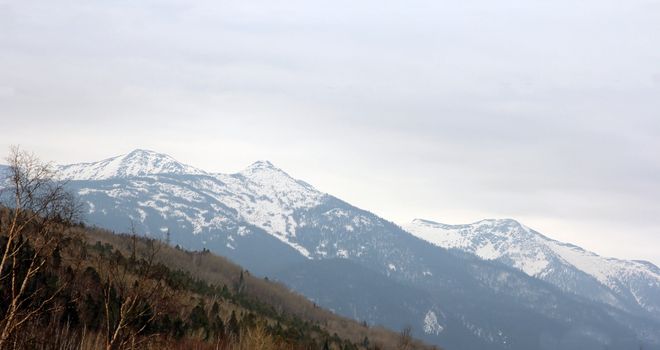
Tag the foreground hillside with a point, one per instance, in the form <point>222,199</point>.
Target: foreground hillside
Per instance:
<point>98,286</point>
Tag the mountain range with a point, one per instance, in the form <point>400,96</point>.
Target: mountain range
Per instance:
<point>628,285</point>
<point>493,284</point>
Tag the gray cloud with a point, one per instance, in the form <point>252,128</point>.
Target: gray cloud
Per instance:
<point>543,111</point>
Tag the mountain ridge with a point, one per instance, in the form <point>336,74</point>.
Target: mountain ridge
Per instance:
<point>270,222</point>
<point>518,246</point>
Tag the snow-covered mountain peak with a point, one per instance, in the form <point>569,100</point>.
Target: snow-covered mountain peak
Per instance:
<point>263,169</point>
<point>562,264</point>
<point>461,236</point>
<point>275,181</point>
<point>261,165</point>
<point>141,153</point>
<point>139,162</point>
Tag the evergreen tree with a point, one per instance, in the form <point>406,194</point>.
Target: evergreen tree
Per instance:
<point>215,309</point>
<point>179,328</point>
<point>218,327</point>
<point>198,318</point>
<point>241,284</point>
<point>233,327</point>
<point>57,258</point>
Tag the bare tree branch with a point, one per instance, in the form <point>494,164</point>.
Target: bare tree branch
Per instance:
<point>40,211</point>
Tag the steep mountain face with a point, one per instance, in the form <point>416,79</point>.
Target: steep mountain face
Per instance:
<point>323,247</point>
<point>628,285</point>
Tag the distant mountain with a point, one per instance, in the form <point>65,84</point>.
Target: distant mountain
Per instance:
<point>628,285</point>
<point>348,259</point>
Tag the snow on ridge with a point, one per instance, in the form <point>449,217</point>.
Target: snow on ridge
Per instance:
<point>267,202</point>
<point>136,163</point>
<point>262,194</point>
<point>608,271</point>
<point>436,233</point>
<point>262,178</point>
<point>260,165</point>
<point>492,238</point>
<point>267,198</point>
<point>268,180</point>
<point>536,254</point>
<point>489,239</point>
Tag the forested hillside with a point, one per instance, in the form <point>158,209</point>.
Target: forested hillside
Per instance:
<point>96,289</point>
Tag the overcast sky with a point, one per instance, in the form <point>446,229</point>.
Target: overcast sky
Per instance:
<point>454,111</point>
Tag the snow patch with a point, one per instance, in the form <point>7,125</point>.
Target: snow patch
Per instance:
<point>431,324</point>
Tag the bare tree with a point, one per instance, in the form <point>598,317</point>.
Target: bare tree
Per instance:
<point>134,295</point>
<point>256,338</point>
<point>38,212</point>
<point>405,339</point>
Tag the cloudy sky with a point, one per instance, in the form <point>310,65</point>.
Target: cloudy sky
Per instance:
<point>544,111</point>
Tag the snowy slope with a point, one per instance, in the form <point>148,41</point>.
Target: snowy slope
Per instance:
<point>261,195</point>
<point>625,284</point>
<point>267,197</point>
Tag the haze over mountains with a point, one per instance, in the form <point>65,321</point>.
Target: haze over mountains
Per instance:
<point>500,286</point>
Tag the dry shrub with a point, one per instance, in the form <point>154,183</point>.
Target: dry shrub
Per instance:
<point>256,338</point>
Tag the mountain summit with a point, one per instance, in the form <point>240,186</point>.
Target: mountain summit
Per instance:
<point>261,165</point>
<point>139,162</point>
